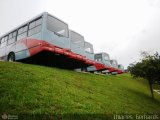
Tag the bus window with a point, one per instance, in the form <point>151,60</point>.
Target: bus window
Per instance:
<point>12,38</point>
<point>35,27</point>
<point>39,22</point>
<point>57,26</point>
<point>114,63</point>
<point>77,38</point>
<point>4,41</point>
<point>22,33</point>
<point>32,25</point>
<point>14,34</point>
<point>89,47</point>
<point>0,41</point>
<point>106,57</point>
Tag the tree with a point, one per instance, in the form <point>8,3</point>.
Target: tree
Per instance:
<point>148,68</point>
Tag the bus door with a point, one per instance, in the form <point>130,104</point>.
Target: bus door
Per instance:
<point>3,44</point>
<point>21,44</point>
<point>11,44</point>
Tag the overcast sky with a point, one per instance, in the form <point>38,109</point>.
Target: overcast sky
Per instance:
<point>121,28</point>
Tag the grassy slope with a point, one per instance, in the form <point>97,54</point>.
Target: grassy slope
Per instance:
<point>35,89</point>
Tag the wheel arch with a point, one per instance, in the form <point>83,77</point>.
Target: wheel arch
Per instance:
<point>11,52</point>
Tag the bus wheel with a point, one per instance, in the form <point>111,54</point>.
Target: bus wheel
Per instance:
<point>11,57</point>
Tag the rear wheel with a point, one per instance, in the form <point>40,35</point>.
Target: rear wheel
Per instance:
<point>11,57</point>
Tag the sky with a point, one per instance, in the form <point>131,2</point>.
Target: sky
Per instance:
<point>121,28</point>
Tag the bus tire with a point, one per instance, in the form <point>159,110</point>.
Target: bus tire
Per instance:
<point>11,57</point>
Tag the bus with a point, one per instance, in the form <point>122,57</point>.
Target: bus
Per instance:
<point>102,63</point>
<point>44,38</point>
<point>114,64</point>
<point>121,68</point>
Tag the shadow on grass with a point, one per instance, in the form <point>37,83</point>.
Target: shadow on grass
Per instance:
<point>144,96</point>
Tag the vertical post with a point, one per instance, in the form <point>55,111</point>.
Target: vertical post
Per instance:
<point>151,87</point>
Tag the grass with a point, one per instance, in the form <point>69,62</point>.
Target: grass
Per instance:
<point>38,90</point>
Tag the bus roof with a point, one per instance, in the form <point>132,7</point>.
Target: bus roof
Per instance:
<point>89,43</point>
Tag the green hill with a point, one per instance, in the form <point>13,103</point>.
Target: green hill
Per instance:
<point>38,90</point>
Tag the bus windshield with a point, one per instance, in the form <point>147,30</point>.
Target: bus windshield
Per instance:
<point>106,57</point>
<point>57,26</point>
<point>98,57</point>
<point>114,62</point>
<point>77,38</point>
<point>88,47</point>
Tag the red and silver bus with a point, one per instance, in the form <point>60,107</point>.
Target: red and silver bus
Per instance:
<point>44,38</point>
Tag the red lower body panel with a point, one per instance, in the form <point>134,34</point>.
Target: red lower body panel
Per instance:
<point>37,46</point>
